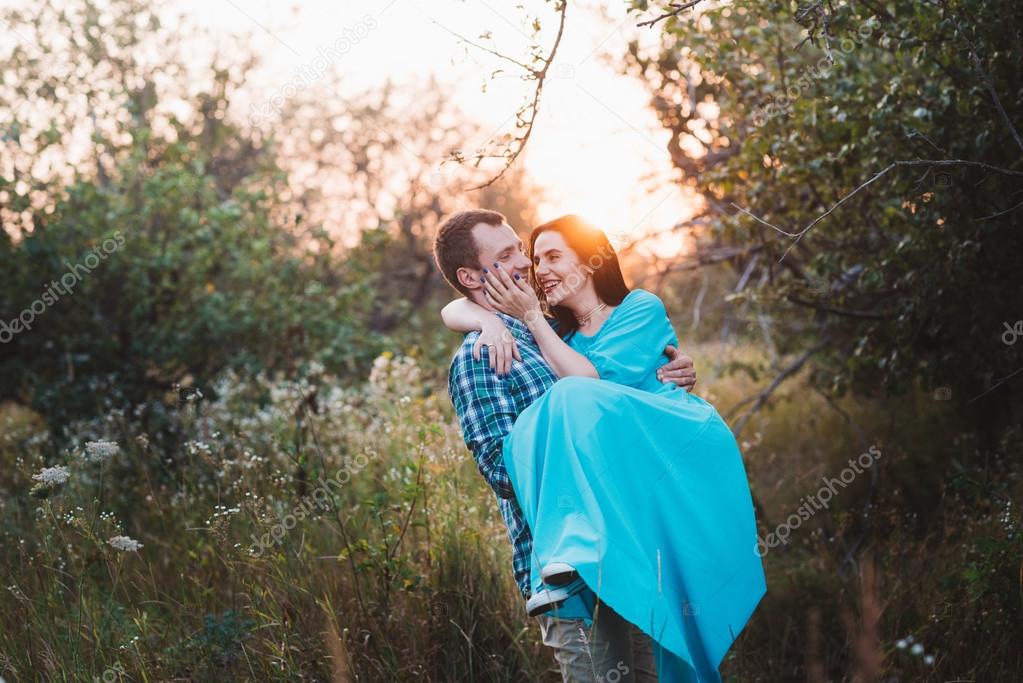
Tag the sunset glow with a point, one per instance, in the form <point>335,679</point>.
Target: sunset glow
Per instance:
<point>596,149</point>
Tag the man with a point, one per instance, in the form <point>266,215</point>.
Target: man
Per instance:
<point>487,404</point>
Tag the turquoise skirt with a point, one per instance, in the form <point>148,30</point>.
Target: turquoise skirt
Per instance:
<point>646,495</point>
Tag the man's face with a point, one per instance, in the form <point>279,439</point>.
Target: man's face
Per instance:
<point>499,244</point>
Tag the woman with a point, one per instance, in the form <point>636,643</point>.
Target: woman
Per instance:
<point>635,486</point>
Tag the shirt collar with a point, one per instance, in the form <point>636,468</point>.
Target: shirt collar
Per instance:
<point>516,326</point>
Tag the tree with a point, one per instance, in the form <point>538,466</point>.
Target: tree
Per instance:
<point>863,161</point>
<point>192,240</point>
<point>141,249</point>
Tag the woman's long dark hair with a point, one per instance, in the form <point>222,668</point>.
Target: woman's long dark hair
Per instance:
<point>594,250</point>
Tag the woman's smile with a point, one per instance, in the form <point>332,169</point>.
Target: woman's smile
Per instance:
<point>549,285</point>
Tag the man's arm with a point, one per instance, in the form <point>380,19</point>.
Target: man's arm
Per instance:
<point>462,315</point>
<point>486,413</point>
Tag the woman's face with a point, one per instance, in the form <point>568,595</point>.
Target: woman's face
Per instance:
<point>559,272</point>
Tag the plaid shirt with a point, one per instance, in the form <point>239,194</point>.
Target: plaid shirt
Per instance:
<point>487,406</point>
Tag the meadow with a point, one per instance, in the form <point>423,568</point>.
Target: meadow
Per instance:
<point>297,529</point>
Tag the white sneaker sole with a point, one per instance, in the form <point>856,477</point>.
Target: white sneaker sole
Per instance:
<point>558,574</point>
<point>545,600</point>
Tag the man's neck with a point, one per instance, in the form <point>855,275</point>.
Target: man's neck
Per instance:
<point>480,300</point>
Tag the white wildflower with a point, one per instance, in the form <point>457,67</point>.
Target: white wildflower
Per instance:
<point>901,644</point>
<point>929,659</point>
<point>917,649</point>
<point>125,543</point>
<point>101,451</point>
<point>52,476</point>
<point>391,373</point>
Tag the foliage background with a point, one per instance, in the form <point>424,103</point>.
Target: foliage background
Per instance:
<point>242,356</point>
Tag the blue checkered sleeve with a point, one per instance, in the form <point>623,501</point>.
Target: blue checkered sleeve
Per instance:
<point>486,412</point>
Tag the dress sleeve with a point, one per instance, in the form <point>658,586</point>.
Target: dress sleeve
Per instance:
<point>631,344</point>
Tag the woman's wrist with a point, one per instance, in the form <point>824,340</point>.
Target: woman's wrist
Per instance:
<point>533,318</point>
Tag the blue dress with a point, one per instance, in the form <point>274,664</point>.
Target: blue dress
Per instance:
<point>640,486</point>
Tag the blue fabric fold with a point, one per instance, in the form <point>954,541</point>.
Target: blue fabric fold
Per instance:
<point>641,487</point>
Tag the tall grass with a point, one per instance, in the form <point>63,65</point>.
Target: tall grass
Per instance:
<point>298,531</point>
<point>295,530</point>
<point>913,572</point>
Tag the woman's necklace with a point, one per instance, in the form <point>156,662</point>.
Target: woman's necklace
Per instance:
<point>585,319</point>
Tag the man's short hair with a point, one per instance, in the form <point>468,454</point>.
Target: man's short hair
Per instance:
<point>455,246</point>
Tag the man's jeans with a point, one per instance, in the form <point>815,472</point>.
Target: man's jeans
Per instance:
<point>611,651</point>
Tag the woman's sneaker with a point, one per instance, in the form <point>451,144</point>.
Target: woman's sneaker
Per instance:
<point>558,574</point>
<point>547,599</point>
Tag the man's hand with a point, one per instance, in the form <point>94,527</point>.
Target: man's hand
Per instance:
<point>679,369</point>
<point>501,341</point>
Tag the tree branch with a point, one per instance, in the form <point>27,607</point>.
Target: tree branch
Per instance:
<point>708,258</point>
<point>540,75</point>
<point>698,221</point>
<point>838,310</point>
<point>758,400</point>
<point>1000,213</point>
<point>677,9</point>
<point>487,49</point>
<point>798,235</point>
<point>985,77</point>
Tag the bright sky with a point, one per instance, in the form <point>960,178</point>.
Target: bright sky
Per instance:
<point>595,143</point>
